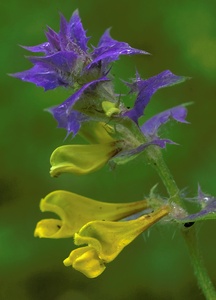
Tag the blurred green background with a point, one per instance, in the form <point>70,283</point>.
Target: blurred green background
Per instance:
<point>181,36</point>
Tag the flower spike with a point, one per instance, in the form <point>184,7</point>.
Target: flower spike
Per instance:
<point>114,134</point>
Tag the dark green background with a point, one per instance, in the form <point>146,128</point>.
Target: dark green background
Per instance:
<point>181,36</point>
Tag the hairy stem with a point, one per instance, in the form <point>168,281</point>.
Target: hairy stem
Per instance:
<point>204,282</point>
<point>155,158</point>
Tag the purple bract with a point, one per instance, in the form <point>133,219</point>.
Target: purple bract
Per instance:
<point>67,59</point>
<point>64,113</point>
<point>146,88</point>
<point>150,127</point>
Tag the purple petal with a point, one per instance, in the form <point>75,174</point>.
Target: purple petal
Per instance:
<point>61,51</point>
<point>206,213</point>
<point>50,71</point>
<point>146,88</point>
<point>62,60</point>
<point>109,50</point>
<point>53,39</point>
<point>64,113</point>
<point>157,142</point>
<point>41,75</point>
<point>150,127</point>
<point>49,47</point>
<point>73,121</point>
<point>106,39</point>
<point>44,47</point>
<point>77,33</point>
<point>63,33</point>
<point>207,204</point>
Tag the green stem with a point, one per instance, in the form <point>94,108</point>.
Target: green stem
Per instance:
<point>204,282</point>
<point>154,156</point>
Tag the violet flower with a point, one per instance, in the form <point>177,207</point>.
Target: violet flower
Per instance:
<point>67,60</point>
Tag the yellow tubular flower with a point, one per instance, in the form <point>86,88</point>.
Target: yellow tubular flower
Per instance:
<point>81,159</point>
<point>75,211</point>
<point>106,240</point>
<point>84,159</point>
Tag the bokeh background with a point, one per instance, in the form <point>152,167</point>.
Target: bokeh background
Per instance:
<point>181,36</point>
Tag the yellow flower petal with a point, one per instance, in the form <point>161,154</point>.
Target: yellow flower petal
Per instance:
<point>75,211</point>
<point>85,260</point>
<point>106,240</point>
<point>81,159</point>
<point>109,238</point>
